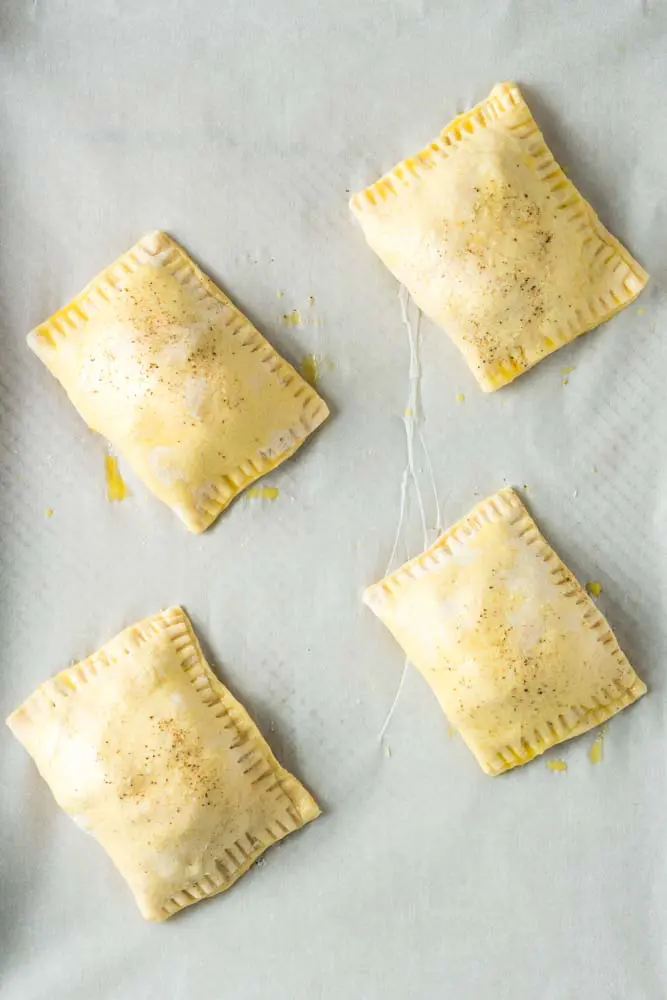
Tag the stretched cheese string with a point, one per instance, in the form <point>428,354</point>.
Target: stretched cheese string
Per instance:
<point>413,420</point>
<point>411,416</point>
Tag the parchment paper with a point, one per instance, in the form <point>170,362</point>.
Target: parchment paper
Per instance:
<point>241,127</point>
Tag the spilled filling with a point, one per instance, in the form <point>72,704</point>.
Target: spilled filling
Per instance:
<point>264,492</point>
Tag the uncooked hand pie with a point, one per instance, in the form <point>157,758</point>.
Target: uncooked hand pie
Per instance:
<point>494,242</point>
<point>516,652</point>
<point>157,359</point>
<point>144,747</point>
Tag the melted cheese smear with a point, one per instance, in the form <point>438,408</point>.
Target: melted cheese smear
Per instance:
<point>596,752</point>
<point>309,369</point>
<point>413,420</point>
<point>264,492</point>
<point>292,318</point>
<point>116,488</point>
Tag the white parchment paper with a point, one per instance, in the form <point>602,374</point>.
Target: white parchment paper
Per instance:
<point>241,127</point>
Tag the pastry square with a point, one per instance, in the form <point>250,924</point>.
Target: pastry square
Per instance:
<point>515,650</point>
<point>494,243</point>
<point>148,751</point>
<point>158,360</point>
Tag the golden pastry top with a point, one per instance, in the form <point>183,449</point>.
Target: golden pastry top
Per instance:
<point>495,243</point>
<point>145,748</point>
<point>517,653</point>
<point>157,359</point>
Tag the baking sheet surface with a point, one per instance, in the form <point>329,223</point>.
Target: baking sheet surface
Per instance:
<point>242,128</point>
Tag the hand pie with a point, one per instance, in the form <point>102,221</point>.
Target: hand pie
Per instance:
<point>516,652</point>
<point>157,359</point>
<point>494,243</point>
<point>144,747</point>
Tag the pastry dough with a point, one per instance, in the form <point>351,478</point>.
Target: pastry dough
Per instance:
<point>494,243</point>
<point>144,747</point>
<point>516,652</point>
<point>157,359</point>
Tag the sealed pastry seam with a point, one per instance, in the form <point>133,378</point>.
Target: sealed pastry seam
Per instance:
<point>215,492</point>
<point>605,699</point>
<point>619,278</point>
<point>286,801</point>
